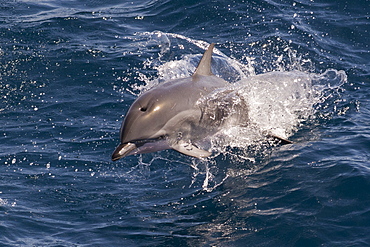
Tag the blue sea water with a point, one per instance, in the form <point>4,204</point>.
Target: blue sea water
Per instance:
<point>69,70</point>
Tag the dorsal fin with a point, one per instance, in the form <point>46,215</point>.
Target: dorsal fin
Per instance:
<point>204,66</point>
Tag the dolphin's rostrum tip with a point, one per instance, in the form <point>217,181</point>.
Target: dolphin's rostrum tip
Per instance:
<point>123,150</point>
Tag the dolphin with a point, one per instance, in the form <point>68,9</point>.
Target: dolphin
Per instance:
<point>168,116</point>
<point>180,114</point>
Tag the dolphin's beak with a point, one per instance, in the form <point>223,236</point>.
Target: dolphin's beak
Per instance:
<point>123,150</point>
<point>140,147</point>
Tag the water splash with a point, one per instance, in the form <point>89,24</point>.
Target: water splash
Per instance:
<point>276,103</point>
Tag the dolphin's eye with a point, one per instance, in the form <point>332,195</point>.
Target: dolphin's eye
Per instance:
<point>143,109</point>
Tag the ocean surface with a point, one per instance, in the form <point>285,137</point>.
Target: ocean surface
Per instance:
<point>69,70</point>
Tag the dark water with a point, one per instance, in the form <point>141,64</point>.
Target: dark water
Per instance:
<point>70,70</point>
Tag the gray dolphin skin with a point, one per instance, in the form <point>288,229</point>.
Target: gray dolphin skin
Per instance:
<point>168,116</point>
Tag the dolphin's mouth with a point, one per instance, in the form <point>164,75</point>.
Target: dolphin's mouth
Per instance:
<point>140,147</point>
